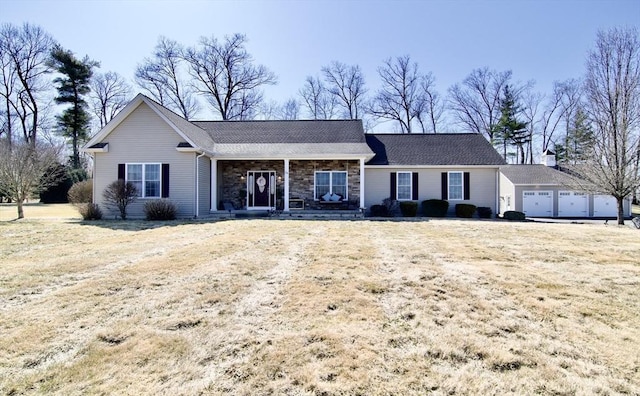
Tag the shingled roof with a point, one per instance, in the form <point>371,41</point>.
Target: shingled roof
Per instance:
<point>432,149</point>
<point>294,131</point>
<point>536,175</point>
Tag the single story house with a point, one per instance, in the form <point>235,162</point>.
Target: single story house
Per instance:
<point>544,190</point>
<point>210,166</point>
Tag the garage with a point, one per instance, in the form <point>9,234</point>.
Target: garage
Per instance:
<point>537,203</point>
<point>605,206</point>
<point>573,204</point>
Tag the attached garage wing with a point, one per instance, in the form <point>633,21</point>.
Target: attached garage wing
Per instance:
<point>537,203</point>
<point>573,204</point>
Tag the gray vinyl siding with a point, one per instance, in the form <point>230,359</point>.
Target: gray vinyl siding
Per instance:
<point>482,185</point>
<point>204,183</point>
<point>144,137</point>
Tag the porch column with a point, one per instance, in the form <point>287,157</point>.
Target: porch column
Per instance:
<point>286,185</point>
<point>214,185</point>
<point>362,182</point>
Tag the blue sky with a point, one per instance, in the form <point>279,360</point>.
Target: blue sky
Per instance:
<point>538,40</point>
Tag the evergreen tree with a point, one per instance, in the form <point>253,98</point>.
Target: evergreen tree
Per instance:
<point>578,141</point>
<point>509,129</point>
<point>72,86</point>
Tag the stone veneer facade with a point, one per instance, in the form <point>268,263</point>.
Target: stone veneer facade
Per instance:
<point>232,179</point>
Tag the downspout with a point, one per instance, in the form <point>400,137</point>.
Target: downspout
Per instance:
<point>198,184</point>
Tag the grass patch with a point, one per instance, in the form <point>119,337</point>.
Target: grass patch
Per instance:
<point>301,307</point>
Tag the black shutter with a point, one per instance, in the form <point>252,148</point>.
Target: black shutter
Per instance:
<point>445,186</point>
<point>414,187</point>
<point>392,193</point>
<point>121,172</point>
<point>466,186</point>
<point>165,180</point>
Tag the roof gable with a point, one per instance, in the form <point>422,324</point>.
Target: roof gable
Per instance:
<point>432,149</point>
<point>192,134</point>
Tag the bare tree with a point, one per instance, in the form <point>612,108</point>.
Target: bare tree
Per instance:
<point>319,103</point>
<point>227,76</point>
<point>431,105</point>
<point>26,169</point>
<point>476,102</point>
<point>347,84</point>
<point>25,51</point>
<point>290,110</point>
<point>110,93</point>
<point>612,100</point>
<point>544,114</point>
<point>400,99</point>
<point>161,76</point>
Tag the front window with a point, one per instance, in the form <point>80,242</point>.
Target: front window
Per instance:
<point>404,186</point>
<point>331,183</point>
<point>146,178</point>
<point>455,186</point>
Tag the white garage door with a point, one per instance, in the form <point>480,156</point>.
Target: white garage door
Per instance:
<point>537,203</point>
<point>604,206</point>
<point>573,204</point>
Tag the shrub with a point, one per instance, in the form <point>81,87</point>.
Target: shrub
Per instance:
<point>89,211</point>
<point>465,210</point>
<point>379,211</point>
<point>409,209</point>
<point>119,195</point>
<point>435,207</point>
<point>393,209</point>
<point>81,192</point>
<point>513,215</point>
<point>57,193</point>
<point>484,212</point>
<point>160,209</point>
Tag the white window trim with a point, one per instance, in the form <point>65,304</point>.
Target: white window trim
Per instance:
<point>144,178</point>
<point>315,177</point>
<point>398,186</point>
<point>449,186</point>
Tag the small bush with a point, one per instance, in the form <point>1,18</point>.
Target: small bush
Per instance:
<point>513,215</point>
<point>57,193</point>
<point>393,209</point>
<point>435,207</point>
<point>484,212</point>
<point>379,211</point>
<point>119,194</point>
<point>409,209</point>
<point>81,192</point>
<point>89,211</point>
<point>160,209</point>
<point>465,210</point>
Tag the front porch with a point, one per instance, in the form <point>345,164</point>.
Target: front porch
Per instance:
<point>291,187</point>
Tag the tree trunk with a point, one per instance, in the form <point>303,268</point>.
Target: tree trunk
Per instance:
<point>620,210</point>
<point>20,209</point>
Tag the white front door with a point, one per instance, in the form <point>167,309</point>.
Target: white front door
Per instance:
<point>537,203</point>
<point>261,189</point>
<point>573,204</point>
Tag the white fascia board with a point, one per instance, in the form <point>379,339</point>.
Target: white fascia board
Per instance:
<point>289,157</point>
<point>432,166</point>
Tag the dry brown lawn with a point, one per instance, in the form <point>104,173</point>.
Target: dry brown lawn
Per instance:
<point>261,307</point>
